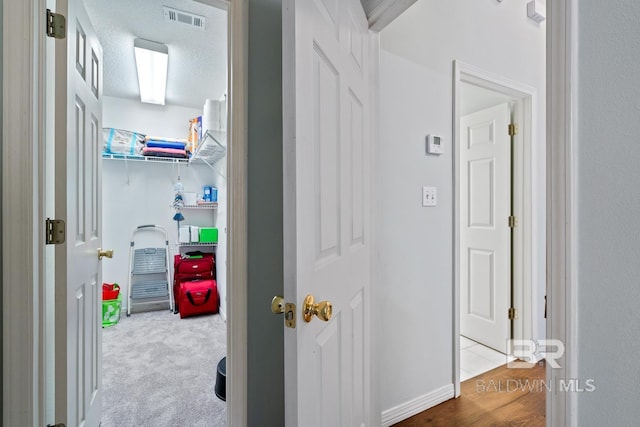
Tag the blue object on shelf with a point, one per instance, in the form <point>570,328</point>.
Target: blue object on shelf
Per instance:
<point>209,193</point>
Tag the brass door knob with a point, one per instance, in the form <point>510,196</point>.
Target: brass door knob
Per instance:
<point>277,305</point>
<point>107,253</point>
<point>323,309</point>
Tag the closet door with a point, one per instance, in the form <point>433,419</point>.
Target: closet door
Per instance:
<point>327,233</point>
<point>78,202</point>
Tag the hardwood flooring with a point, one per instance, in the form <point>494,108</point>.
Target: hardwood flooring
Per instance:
<point>500,397</point>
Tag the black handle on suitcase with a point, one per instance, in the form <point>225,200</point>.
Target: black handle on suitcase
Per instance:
<point>203,302</point>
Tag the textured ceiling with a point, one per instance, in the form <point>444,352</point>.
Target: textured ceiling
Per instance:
<point>197,58</point>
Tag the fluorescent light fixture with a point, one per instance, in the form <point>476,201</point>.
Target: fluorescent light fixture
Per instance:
<point>152,60</point>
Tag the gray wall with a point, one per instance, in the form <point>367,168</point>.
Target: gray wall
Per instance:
<point>1,270</point>
<point>266,334</point>
<point>608,166</point>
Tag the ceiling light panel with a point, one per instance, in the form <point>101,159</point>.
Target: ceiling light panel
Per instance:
<point>152,61</point>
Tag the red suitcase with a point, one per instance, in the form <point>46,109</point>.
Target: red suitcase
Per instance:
<point>193,267</point>
<point>190,269</point>
<point>198,297</point>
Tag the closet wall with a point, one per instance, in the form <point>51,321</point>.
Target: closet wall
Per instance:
<point>137,193</point>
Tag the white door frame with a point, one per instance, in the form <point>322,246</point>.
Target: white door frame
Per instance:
<point>525,178</point>
<point>237,264</point>
<point>23,145</point>
<point>22,231</point>
<point>562,254</point>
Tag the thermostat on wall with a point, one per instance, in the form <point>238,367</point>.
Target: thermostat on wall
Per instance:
<point>434,144</point>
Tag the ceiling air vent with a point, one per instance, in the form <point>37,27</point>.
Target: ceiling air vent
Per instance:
<point>175,15</point>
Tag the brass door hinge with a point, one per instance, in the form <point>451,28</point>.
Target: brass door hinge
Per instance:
<point>55,231</point>
<point>56,25</point>
<point>513,221</point>
<point>513,129</point>
<point>513,313</point>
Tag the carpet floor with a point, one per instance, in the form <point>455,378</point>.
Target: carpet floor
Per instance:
<point>160,370</point>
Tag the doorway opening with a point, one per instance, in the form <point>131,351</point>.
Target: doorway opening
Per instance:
<point>141,190</point>
<point>497,296</point>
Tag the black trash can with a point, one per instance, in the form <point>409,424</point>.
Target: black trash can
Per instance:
<point>221,379</point>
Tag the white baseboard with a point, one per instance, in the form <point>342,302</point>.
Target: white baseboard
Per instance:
<point>223,313</point>
<point>417,405</point>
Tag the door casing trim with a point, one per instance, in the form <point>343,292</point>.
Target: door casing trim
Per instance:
<point>237,264</point>
<point>23,358</point>
<point>24,339</point>
<point>562,254</point>
<point>525,179</point>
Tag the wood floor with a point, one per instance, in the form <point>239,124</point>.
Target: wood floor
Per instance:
<point>501,397</point>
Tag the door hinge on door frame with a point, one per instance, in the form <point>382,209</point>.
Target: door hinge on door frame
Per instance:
<point>513,221</point>
<point>513,129</point>
<point>56,25</point>
<point>55,231</point>
<point>513,313</point>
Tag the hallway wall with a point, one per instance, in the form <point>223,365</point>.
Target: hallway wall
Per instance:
<point>607,268</point>
<point>416,259</point>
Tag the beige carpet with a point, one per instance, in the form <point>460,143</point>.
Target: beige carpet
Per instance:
<point>160,370</point>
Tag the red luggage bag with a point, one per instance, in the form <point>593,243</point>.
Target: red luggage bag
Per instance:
<point>198,297</point>
<point>190,269</point>
<point>186,268</point>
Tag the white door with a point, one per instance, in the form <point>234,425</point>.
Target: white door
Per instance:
<point>78,369</point>
<point>485,206</point>
<point>327,248</point>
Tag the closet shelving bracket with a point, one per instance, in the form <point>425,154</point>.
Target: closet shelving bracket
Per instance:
<point>211,150</point>
<point>139,158</point>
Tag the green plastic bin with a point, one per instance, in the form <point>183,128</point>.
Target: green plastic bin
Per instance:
<point>208,235</point>
<point>111,311</point>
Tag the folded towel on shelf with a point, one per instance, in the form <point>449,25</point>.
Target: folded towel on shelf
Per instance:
<point>152,143</point>
<point>164,152</point>
<point>163,138</point>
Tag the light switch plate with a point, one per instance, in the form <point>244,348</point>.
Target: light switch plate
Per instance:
<point>429,196</point>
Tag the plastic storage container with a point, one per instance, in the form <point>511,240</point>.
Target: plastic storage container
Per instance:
<point>208,235</point>
<point>111,311</point>
<point>194,233</point>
